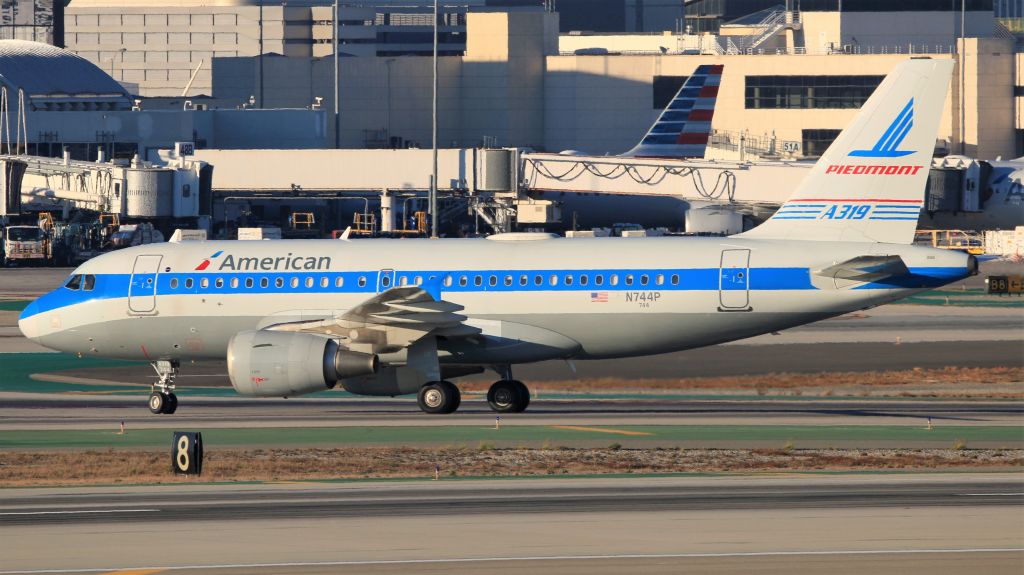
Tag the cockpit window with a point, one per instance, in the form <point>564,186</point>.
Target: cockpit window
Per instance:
<point>74,282</point>
<point>89,283</point>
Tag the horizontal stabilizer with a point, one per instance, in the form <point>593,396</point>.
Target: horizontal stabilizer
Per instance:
<point>866,269</point>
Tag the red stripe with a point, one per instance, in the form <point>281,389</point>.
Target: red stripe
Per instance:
<point>203,266</point>
<point>716,69</point>
<point>692,138</point>
<point>708,92</point>
<point>854,200</point>
<point>701,115</point>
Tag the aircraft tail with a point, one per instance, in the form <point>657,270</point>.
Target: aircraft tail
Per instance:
<point>683,127</point>
<point>869,185</point>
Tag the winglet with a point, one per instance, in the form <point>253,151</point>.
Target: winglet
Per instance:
<point>345,234</point>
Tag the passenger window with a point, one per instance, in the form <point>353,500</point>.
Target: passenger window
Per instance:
<point>508,280</point>
<point>188,283</point>
<point>629,279</point>
<point>537,280</point>
<point>463,281</point>
<point>478,281</point>
<point>644,279</point>
<point>568,280</point>
<point>295,283</point>
<point>447,281</point>
<point>614,279</point>
<point>523,280</point>
<point>493,281</point>
<point>362,281</point>
<point>264,282</point>
<point>248,283</point>
<point>90,282</point>
<point>324,282</point>
<point>309,282</point>
<point>339,282</point>
<point>234,283</point>
<point>419,280</point>
<point>675,279</point>
<point>599,279</point>
<point>553,280</point>
<point>660,279</point>
<point>174,283</point>
<point>204,283</point>
<point>385,280</point>
<point>403,281</point>
<point>75,282</point>
<point>279,283</point>
<point>583,279</point>
<point>220,283</point>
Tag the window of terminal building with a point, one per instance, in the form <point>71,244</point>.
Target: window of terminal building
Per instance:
<point>665,88</point>
<point>806,92</point>
<point>815,142</point>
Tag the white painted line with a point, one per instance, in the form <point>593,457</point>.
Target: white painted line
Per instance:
<point>79,512</point>
<point>535,558</point>
<point>990,494</point>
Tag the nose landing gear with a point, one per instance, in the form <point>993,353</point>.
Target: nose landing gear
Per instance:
<point>162,399</point>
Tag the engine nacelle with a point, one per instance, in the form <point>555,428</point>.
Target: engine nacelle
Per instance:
<point>284,364</point>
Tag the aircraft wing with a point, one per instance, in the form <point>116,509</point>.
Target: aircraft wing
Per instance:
<point>390,321</point>
<point>866,269</point>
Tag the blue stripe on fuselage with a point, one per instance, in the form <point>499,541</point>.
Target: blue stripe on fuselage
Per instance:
<point>113,286</point>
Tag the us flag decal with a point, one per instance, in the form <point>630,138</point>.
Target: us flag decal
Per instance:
<point>599,296</point>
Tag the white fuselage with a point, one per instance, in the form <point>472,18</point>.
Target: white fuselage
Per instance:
<point>595,297</point>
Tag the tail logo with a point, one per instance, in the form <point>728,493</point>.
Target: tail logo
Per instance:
<point>886,146</point>
<point>206,262</point>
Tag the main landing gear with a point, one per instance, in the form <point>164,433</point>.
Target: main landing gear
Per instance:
<point>439,397</point>
<point>505,396</point>
<point>508,396</point>
<point>162,399</point>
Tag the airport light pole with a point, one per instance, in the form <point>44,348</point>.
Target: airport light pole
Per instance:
<point>337,80</point>
<point>433,178</point>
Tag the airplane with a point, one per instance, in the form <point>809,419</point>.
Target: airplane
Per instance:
<point>402,317</point>
<point>683,127</point>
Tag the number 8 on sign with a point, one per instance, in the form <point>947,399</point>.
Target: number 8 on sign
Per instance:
<point>187,453</point>
<point>182,458</point>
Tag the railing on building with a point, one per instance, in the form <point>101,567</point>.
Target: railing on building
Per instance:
<point>764,146</point>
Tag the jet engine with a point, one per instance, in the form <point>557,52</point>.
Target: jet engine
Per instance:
<point>283,364</point>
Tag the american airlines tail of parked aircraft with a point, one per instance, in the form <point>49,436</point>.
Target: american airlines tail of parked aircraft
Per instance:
<point>684,126</point>
<point>394,317</point>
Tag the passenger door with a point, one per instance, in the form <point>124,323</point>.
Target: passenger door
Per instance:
<point>734,281</point>
<point>142,286</point>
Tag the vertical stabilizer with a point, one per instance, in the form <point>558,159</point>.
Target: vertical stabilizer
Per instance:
<point>869,185</point>
<point>683,127</point>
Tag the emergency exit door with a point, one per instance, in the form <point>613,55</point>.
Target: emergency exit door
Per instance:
<point>142,287</point>
<point>734,281</point>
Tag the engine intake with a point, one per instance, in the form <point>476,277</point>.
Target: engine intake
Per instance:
<point>283,364</point>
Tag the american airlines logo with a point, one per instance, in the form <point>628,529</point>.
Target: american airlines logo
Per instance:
<point>289,262</point>
<point>206,263</point>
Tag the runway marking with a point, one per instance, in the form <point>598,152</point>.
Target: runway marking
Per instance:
<point>135,572</point>
<point>79,511</point>
<point>106,571</point>
<point>600,430</point>
<point>990,494</point>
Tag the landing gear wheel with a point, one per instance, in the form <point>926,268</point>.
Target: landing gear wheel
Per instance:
<point>508,396</point>
<point>171,405</point>
<point>439,397</point>
<point>157,402</point>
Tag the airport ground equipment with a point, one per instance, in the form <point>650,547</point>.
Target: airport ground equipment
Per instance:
<point>405,317</point>
<point>970,242</point>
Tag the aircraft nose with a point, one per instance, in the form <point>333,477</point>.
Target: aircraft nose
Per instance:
<point>28,321</point>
